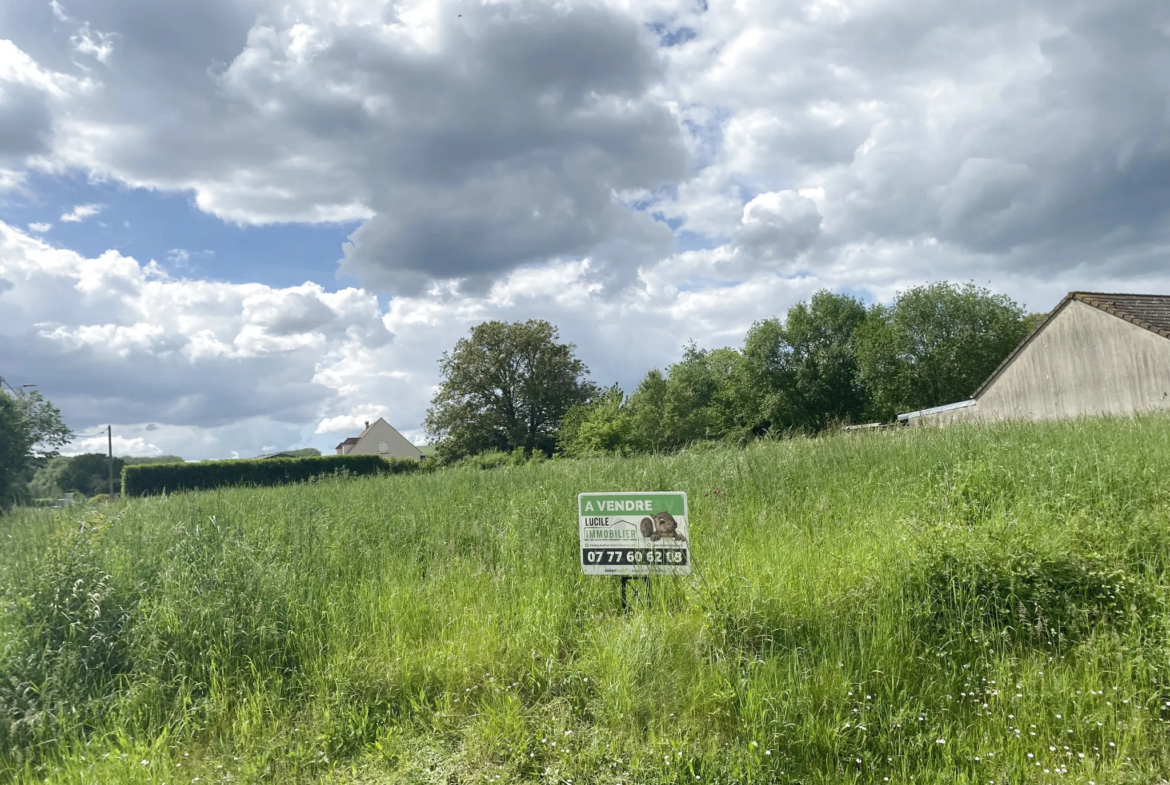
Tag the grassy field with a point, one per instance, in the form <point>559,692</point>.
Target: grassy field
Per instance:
<point>971,605</point>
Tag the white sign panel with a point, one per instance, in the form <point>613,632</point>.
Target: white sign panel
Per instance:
<point>634,533</point>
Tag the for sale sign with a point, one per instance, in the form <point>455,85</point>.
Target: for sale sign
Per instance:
<point>636,533</point>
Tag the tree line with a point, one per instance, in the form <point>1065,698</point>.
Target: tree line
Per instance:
<point>516,392</point>
<point>514,388</point>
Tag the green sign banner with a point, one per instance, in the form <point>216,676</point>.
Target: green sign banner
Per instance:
<point>634,533</point>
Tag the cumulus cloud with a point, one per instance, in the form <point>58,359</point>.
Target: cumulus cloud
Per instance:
<point>122,446</point>
<point>81,212</point>
<point>151,349</point>
<point>39,228</point>
<point>469,139</point>
<point>1020,131</point>
<point>94,43</point>
<point>351,423</point>
<point>466,145</point>
<point>778,225</point>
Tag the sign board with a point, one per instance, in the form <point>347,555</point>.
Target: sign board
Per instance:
<point>635,533</point>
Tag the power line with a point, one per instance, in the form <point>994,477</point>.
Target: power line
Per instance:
<point>102,432</point>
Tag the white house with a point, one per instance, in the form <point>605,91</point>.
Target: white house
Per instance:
<point>379,438</point>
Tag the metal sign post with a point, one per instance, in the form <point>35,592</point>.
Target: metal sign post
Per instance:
<point>634,535</point>
<point>643,594</point>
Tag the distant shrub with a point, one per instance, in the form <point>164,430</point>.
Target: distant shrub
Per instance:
<point>158,478</point>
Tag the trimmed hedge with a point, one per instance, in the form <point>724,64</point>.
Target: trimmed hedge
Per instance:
<point>147,479</point>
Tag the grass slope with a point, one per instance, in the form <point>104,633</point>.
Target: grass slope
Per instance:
<point>971,605</point>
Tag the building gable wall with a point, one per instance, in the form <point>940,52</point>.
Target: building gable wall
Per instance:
<point>382,431</point>
<point>1083,362</point>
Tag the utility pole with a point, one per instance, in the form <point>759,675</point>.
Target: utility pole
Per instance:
<point>110,444</point>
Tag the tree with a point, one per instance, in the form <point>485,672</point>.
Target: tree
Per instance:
<point>935,345</point>
<point>700,399</point>
<point>647,407</point>
<point>49,480</point>
<point>603,425</point>
<point>507,387</point>
<point>695,400</point>
<point>88,474</point>
<point>803,374</point>
<point>31,431</point>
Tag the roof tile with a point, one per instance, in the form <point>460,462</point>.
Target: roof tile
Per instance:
<point>1151,311</point>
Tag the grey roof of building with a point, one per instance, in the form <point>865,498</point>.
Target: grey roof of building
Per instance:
<point>937,409</point>
<point>1148,311</point>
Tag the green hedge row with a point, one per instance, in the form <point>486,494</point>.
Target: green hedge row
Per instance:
<point>147,479</point>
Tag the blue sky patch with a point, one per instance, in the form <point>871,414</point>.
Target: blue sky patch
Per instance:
<point>668,37</point>
<point>170,229</point>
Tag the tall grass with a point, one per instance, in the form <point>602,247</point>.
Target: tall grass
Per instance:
<point>970,605</point>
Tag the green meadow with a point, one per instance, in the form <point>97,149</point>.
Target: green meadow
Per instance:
<point>981,604</point>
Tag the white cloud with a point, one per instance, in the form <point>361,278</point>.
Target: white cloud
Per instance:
<point>81,212</point>
<point>39,228</point>
<point>467,145</point>
<point>354,423</point>
<point>94,43</point>
<point>123,446</point>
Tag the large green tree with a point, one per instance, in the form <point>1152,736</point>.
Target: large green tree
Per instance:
<point>802,374</point>
<point>31,432</point>
<point>699,400</point>
<point>935,345</point>
<point>693,401</point>
<point>506,387</point>
<point>602,425</point>
<point>86,474</point>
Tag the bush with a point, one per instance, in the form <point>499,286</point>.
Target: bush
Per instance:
<point>163,477</point>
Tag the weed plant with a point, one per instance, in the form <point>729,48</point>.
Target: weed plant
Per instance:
<point>980,604</point>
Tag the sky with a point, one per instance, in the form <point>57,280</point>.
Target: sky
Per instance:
<point>230,227</point>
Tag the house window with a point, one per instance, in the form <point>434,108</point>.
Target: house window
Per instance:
<point>383,447</point>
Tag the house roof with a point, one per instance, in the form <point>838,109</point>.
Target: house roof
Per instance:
<point>1148,311</point>
<point>369,426</point>
<point>935,410</point>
